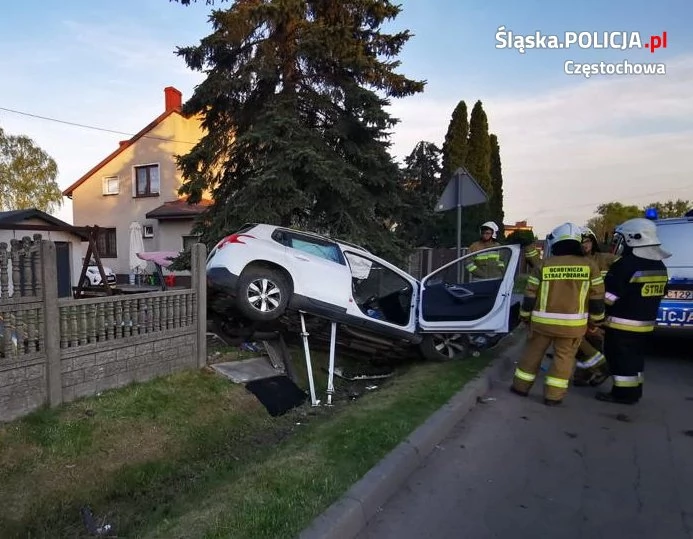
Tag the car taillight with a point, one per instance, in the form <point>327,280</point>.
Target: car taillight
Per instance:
<point>233,238</point>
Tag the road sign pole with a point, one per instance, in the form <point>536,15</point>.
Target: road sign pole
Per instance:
<point>459,225</point>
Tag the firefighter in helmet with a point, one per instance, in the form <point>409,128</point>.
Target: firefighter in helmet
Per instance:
<point>635,284</point>
<point>487,265</point>
<point>591,368</point>
<point>560,302</point>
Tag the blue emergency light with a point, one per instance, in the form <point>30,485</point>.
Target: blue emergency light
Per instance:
<point>651,213</point>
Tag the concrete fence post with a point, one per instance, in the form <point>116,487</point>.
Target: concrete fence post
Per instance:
<point>198,260</point>
<point>51,325</point>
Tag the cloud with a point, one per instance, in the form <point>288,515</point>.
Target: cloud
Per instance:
<point>569,149</point>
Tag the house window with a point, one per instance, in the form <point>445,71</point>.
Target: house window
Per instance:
<point>111,185</point>
<point>147,181</point>
<point>189,241</point>
<point>106,243</point>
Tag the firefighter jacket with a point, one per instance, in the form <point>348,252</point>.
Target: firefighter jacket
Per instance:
<point>485,265</point>
<point>634,288</point>
<point>604,261</point>
<point>564,296</point>
<point>532,256</point>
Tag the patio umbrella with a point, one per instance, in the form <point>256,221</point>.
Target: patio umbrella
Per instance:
<point>137,265</point>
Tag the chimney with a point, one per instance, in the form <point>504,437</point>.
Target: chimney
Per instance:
<point>173,99</point>
<point>123,143</point>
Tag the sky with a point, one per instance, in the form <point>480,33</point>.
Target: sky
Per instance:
<point>568,143</point>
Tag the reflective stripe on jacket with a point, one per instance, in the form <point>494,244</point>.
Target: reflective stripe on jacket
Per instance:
<point>485,265</point>
<point>563,296</point>
<point>634,289</point>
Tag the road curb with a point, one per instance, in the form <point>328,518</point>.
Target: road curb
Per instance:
<point>348,516</point>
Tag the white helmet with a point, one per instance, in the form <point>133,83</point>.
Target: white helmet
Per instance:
<point>493,226</point>
<point>641,236</point>
<point>567,231</point>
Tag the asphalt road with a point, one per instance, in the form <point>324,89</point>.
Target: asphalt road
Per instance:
<point>517,469</point>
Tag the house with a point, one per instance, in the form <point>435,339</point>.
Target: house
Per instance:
<point>519,225</point>
<point>68,240</point>
<point>139,182</point>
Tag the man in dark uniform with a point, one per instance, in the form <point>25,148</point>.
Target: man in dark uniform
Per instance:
<point>634,285</point>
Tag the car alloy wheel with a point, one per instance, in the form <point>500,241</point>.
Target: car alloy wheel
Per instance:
<point>264,295</point>
<point>445,346</point>
<point>449,344</point>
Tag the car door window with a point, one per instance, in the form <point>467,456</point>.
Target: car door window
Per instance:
<point>313,246</point>
<point>378,291</point>
<point>467,289</point>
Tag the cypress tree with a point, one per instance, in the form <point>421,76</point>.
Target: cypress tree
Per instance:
<point>455,147</point>
<point>479,166</point>
<point>293,108</point>
<point>496,200</point>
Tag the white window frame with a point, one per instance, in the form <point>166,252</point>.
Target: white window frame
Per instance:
<point>134,179</point>
<point>105,185</point>
<point>145,228</point>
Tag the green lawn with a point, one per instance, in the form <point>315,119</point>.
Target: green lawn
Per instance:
<point>194,455</point>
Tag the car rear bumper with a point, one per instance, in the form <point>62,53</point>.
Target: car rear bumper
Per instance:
<point>223,280</point>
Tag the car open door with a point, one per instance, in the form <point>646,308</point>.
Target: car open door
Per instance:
<point>470,294</point>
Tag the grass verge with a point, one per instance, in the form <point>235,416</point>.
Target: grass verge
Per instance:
<point>194,455</point>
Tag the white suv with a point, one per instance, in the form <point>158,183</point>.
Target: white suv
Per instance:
<point>263,271</point>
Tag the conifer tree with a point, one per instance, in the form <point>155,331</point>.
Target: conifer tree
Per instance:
<point>422,188</point>
<point>496,200</point>
<point>455,147</point>
<point>478,164</point>
<point>293,108</point>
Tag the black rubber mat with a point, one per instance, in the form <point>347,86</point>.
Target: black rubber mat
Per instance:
<point>277,394</point>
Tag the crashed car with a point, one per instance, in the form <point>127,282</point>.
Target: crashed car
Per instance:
<point>262,272</point>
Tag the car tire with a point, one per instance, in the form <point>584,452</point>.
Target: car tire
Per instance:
<point>442,347</point>
<point>263,294</point>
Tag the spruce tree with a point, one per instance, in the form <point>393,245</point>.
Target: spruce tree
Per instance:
<point>422,188</point>
<point>293,108</point>
<point>478,164</point>
<point>496,200</point>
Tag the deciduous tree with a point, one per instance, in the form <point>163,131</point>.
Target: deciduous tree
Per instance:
<point>27,175</point>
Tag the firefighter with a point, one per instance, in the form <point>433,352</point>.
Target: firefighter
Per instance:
<point>560,302</point>
<point>532,257</point>
<point>486,265</point>
<point>635,284</point>
<point>591,367</point>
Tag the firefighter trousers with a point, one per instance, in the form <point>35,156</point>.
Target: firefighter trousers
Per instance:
<point>625,354</point>
<point>593,358</point>
<point>591,362</point>
<point>561,370</point>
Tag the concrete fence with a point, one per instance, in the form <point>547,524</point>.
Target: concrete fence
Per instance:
<point>56,350</point>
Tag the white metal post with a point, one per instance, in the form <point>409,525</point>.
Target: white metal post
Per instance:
<point>330,372</point>
<point>309,365</point>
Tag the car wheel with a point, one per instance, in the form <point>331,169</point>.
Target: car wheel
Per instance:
<point>263,294</point>
<point>444,346</point>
